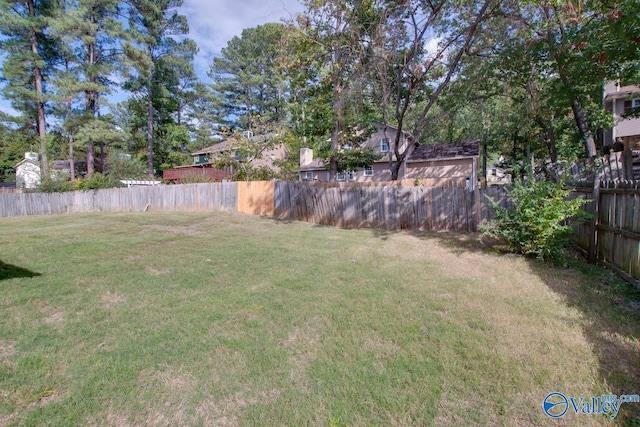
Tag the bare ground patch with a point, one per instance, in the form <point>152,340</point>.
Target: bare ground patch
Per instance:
<point>226,412</point>
<point>112,299</point>
<point>7,349</point>
<point>303,343</point>
<point>155,272</point>
<point>191,230</point>
<point>55,315</point>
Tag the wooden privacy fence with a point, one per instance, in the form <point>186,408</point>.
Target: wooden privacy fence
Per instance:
<point>390,207</point>
<point>220,196</point>
<point>612,236</point>
<point>387,207</point>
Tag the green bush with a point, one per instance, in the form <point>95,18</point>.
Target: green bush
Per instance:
<point>120,166</point>
<point>260,173</point>
<point>57,184</point>
<point>95,182</point>
<point>536,225</point>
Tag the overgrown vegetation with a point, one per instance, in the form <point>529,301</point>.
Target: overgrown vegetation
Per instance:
<point>536,223</point>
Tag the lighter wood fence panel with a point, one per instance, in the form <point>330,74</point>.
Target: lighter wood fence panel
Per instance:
<point>256,197</point>
<point>193,197</point>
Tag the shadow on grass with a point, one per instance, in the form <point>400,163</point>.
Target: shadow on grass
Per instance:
<point>610,305</point>
<point>8,271</point>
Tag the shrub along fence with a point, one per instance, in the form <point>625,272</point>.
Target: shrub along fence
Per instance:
<point>612,236</point>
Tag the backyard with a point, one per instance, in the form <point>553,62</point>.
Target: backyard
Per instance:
<point>228,319</point>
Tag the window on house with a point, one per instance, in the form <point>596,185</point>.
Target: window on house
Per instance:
<point>368,171</point>
<point>631,104</point>
<point>308,176</point>
<point>352,175</point>
<point>341,176</point>
<point>384,145</point>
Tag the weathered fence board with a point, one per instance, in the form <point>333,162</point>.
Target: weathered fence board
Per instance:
<point>191,197</point>
<point>612,237</point>
<point>391,207</point>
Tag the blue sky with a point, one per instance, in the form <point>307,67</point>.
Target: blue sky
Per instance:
<point>212,23</point>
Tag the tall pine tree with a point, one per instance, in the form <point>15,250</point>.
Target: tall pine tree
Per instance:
<point>29,57</point>
<point>156,45</point>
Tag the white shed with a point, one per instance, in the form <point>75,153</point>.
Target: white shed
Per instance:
<point>28,171</point>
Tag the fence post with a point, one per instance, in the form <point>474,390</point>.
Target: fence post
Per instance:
<point>478,203</point>
<point>595,222</point>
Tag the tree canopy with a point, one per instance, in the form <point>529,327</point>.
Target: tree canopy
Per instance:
<point>524,76</point>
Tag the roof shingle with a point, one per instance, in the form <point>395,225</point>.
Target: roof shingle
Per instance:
<point>445,151</point>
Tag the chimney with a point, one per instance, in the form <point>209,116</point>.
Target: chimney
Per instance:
<point>306,156</point>
<point>30,155</point>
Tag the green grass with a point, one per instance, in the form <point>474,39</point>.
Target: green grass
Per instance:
<point>220,319</point>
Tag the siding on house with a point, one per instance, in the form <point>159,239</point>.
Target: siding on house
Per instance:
<point>623,126</point>
<point>458,161</point>
<point>615,99</point>
<point>380,168</point>
<point>446,168</point>
<point>27,174</point>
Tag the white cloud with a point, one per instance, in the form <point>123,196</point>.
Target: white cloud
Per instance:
<point>5,107</point>
<point>213,23</point>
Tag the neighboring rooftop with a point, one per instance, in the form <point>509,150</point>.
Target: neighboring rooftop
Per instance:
<point>217,148</point>
<point>445,151</point>
<point>314,165</point>
<point>618,92</point>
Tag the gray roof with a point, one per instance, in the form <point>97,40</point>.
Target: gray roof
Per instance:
<point>315,165</point>
<point>445,151</point>
<point>217,148</point>
<point>622,92</point>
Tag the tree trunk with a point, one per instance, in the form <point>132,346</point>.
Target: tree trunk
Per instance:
<point>551,142</point>
<point>333,165</point>
<point>484,153</point>
<point>102,159</point>
<point>395,170</point>
<point>72,166</point>
<point>37,77</point>
<point>90,106</point>
<point>583,127</point>
<point>150,122</point>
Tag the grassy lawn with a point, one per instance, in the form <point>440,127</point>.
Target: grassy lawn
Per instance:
<point>219,319</point>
